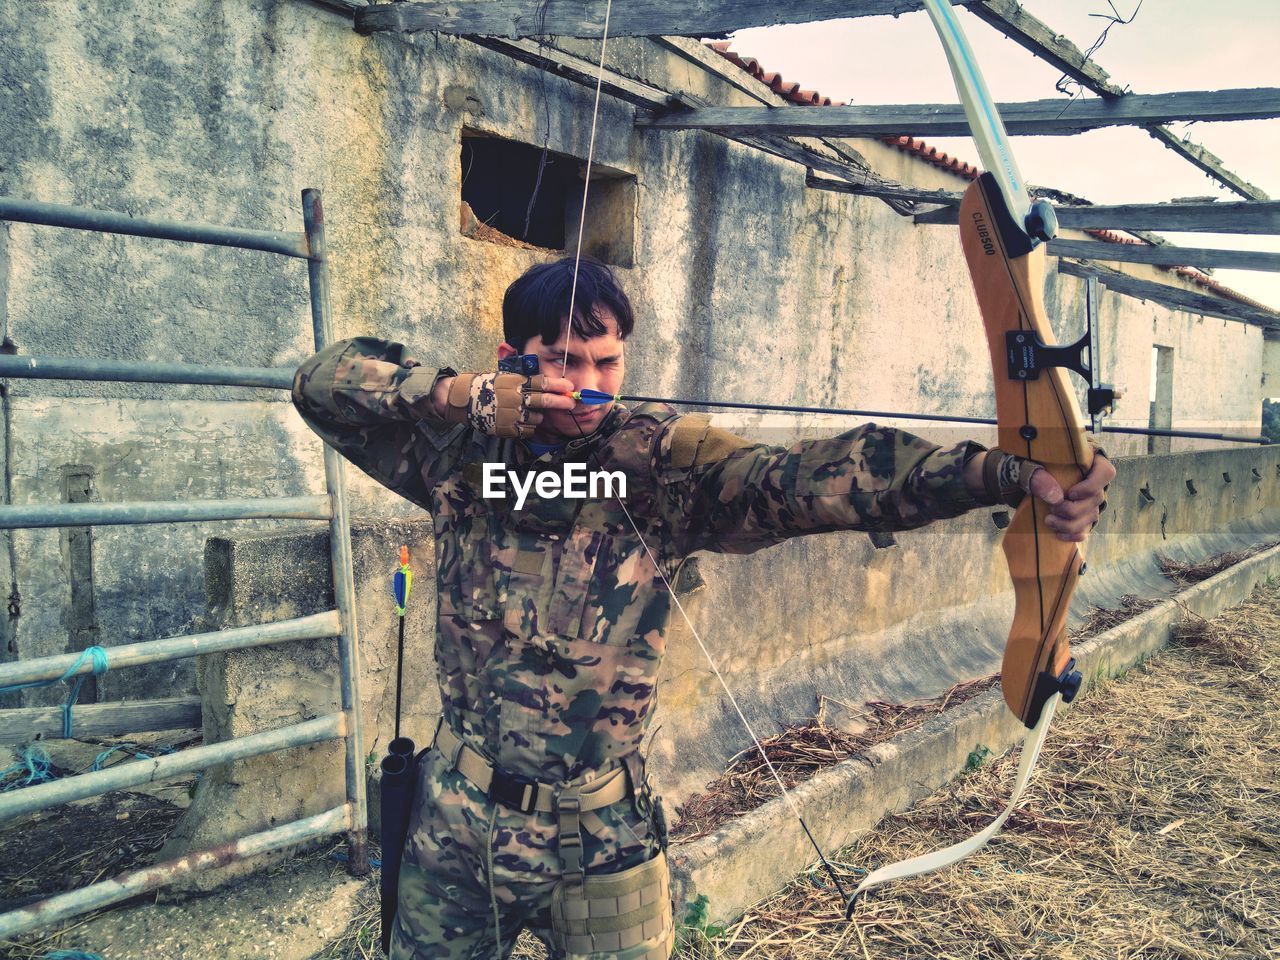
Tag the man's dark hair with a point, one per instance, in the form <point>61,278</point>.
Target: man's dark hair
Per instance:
<point>536,303</point>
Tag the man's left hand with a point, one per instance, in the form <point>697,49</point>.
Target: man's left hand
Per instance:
<point>1075,513</point>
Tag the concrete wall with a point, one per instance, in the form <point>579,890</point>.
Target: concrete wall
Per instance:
<point>1270,369</point>
<point>748,857</point>
<point>836,617</point>
<point>829,618</point>
<point>746,284</point>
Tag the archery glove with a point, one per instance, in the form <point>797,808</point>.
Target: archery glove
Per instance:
<point>495,403</point>
<point>1006,477</point>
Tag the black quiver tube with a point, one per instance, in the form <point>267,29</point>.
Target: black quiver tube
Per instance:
<point>398,782</point>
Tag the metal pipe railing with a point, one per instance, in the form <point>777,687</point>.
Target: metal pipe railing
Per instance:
<point>353,815</point>
<point>108,221</point>
<point>107,892</point>
<point>163,511</point>
<point>29,799</point>
<point>314,627</point>
<point>344,588</point>
<point>123,371</point>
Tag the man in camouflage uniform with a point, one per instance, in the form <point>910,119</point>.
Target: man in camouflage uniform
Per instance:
<point>553,619</point>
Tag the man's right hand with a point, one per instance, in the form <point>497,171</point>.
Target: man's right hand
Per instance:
<point>501,404</point>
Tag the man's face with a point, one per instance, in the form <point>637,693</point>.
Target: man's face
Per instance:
<point>592,364</point>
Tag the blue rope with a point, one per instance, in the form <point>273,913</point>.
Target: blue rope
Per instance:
<point>72,955</point>
<point>100,666</point>
<point>35,762</point>
<point>38,767</point>
<point>129,748</point>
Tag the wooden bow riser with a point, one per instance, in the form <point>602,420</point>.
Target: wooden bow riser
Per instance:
<point>1037,419</point>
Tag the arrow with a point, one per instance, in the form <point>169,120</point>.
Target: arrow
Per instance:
<point>596,397</point>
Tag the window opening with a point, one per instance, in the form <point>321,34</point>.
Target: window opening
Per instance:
<point>500,178</point>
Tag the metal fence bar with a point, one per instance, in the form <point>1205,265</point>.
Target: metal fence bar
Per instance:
<point>313,627</point>
<point>344,590</point>
<point>107,892</point>
<point>163,511</point>
<point>108,221</point>
<point>130,774</point>
<point>77,368</point>
<point>353,815</point>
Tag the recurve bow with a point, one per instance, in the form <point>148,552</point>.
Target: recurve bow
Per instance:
<point>1002,234</point>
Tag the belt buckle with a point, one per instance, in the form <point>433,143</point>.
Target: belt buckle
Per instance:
<point>514,791</point>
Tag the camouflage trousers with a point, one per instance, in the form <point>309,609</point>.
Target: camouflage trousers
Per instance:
<point>475,873</point>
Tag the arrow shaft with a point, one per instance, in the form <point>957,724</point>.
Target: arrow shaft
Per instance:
<point>934,417</point>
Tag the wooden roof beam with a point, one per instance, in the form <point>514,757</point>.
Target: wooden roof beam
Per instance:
<point>585,18</point>
<point>1235,217</point>
<point>1159,255</point>
<point>1056,117</point>
<point>883,191</point>
<point>1174,298</point>
<point>1166,256</point>
<point>1014,22</point>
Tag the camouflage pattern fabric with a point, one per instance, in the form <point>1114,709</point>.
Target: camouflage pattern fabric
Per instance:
<point>496,404</point>
<point>552,620</point>
<point>459,842</point>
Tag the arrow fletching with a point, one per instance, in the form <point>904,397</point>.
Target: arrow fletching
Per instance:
<point>593,397</point>
<point>402,581</point>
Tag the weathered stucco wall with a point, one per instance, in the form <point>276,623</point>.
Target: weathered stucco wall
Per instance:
<point>1270,387</point>
<point>746,285</point>
<point>825,618</point>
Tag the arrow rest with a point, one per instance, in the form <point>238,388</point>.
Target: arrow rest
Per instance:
<point>1028,354</point>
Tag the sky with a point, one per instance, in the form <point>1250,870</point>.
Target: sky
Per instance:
<point>1170,45</point>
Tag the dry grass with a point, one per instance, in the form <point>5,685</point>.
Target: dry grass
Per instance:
<point>362,938</point>
<point>80,845</point>
<point>800,751</point>
<point>1102,619</point>
<point>1185,574</point>
<point>73,846</point>
<point>1152,829</point>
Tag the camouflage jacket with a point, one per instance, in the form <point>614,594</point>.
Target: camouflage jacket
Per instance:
<point>552,620</point>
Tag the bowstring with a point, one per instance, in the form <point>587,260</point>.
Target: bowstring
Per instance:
<point>706,653</point>
<point>586,185</point>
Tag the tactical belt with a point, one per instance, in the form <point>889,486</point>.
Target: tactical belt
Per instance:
<point>619,916</point>
<point>520,793</point>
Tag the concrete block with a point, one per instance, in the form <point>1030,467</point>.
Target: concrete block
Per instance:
<point>271,577</point>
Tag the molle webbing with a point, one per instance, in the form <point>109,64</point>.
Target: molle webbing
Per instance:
<point>604,791</point>
<point>627,915</point>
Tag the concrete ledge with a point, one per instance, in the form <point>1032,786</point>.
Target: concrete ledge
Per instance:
<point>752,856</point>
